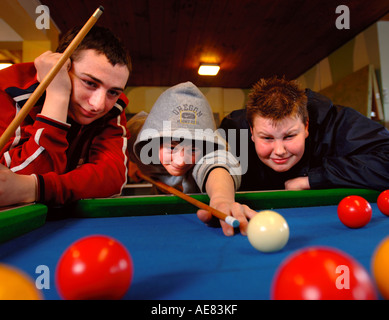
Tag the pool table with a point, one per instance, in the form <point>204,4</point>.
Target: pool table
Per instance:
<point>177,257</point>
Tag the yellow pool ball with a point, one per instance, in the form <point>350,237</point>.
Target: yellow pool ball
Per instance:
<point>268,231</point>
<point>16,285</point>
<point>380,267</point>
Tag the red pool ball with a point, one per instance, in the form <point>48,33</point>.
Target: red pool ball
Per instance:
<point>94,268</point>
<point>383,202</point>
<point>321,273</point>
<point>354,211</point>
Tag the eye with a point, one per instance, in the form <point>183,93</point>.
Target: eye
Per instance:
<point>290,136</point>
<point>90,83</point>
<point>113,93</point>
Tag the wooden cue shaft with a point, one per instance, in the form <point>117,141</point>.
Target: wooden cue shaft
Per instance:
<point>48,78</point>
<point>218,214</point>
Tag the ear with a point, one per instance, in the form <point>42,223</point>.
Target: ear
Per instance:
<point>251,131</point>
<point>306,129</point>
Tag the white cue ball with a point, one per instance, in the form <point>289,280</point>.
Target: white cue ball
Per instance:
<point>268,231</point>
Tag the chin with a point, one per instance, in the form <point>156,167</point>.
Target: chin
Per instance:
<point>177,174</point>
<point>281,168</point>
<point>83,120</point>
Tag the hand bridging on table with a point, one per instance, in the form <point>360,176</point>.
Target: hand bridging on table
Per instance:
<point>241,212</point>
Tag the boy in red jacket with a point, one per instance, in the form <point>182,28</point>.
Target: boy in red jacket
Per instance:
<point>73,143</point>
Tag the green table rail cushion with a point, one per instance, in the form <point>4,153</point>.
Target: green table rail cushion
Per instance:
<point>302,198</point>
<point>169,204</point>
<point>17,220</point>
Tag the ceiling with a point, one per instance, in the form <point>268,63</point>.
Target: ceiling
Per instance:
<point>250,39</point>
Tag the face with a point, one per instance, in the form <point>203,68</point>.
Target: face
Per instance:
<point>96,86</point>
<point>280,146</point>
<point>177,158</point>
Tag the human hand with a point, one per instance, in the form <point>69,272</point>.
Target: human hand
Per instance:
<point>15,188</point>
<point>59,90</point>
<point>300,183</point>
<point>241,212</point>
<point>61,84</point>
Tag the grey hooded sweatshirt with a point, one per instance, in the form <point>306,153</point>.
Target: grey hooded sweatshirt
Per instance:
<point>181,113</point>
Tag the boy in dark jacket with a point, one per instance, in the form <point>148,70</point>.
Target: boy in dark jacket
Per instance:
<point>300,140</point>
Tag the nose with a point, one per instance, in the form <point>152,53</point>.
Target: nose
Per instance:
<point>182,157</point>
<point>179,158</point>
<point>97,101</point>
<point>279,148</point>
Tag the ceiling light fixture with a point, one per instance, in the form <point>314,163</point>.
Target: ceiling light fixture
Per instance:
<point>209,69</point>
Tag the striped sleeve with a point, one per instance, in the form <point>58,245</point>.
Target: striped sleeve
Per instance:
<point>217,159</point>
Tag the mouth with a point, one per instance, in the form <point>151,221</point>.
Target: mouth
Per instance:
<point>176,172</point>
<point>280,160</point>
<point>86,113</point>
<point>178,168</point>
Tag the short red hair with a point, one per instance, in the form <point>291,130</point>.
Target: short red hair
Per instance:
<point>276,99</point>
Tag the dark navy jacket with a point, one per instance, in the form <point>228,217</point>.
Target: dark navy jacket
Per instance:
<point>344,149</point>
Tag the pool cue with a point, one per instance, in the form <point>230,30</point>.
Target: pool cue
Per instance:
<point>48,78</point>
<point>166,188</point>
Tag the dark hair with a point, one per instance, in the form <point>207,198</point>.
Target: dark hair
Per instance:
<point>275,99</point>
<point>100,39</point>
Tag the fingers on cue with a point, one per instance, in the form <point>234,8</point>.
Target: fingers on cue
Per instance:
<point>238,212</point>
<point>241,212</point>
<point>227,229</point>
<point>204,215</point>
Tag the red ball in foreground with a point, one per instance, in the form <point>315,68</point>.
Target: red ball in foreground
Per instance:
<point>354,211</point>
<point>383,202</point>
<point>320,273</point>
<point>95,267</point>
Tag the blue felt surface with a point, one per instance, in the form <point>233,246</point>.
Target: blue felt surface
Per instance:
<point>177,257</point>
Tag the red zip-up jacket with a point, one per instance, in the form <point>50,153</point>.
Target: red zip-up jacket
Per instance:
<point>70,161</point>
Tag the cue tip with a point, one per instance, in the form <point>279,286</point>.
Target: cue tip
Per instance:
<point>232,221</point>
<point>99,11</point>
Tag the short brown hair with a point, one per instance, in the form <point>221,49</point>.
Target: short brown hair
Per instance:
<point>100,39</point>
<point>276,98</point>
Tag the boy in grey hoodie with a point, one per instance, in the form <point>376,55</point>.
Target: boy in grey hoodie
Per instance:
<point>177,143</point>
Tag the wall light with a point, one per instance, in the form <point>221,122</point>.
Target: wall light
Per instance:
<point>209,69</point>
